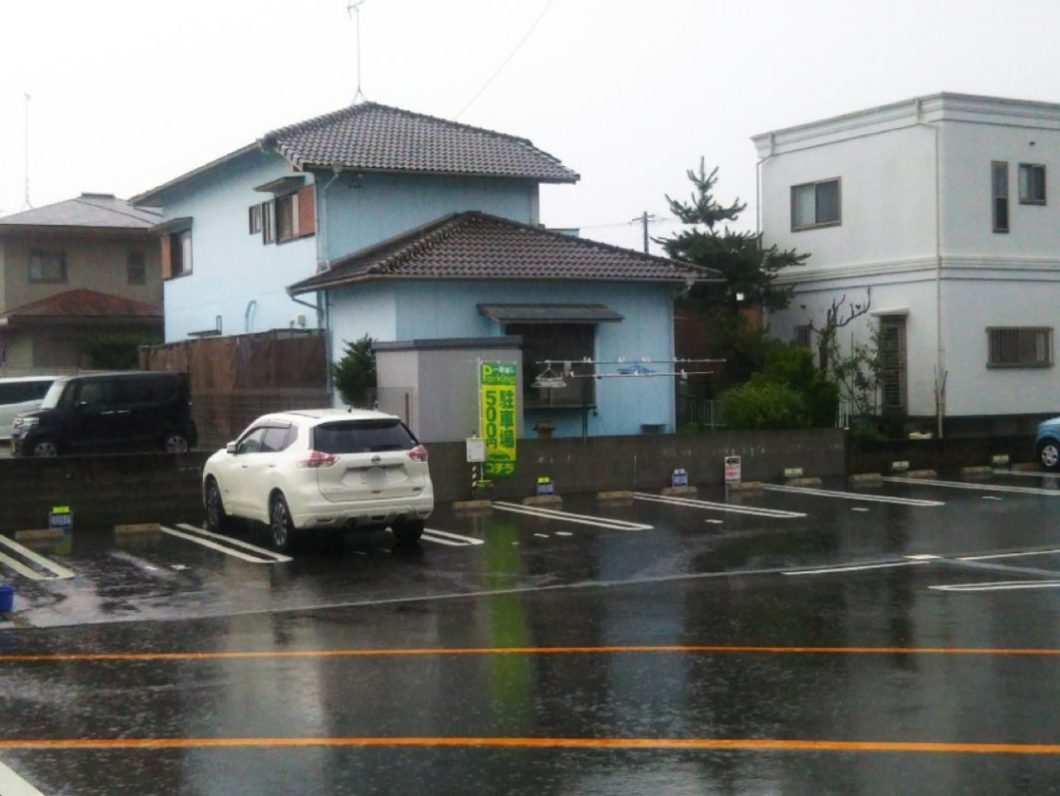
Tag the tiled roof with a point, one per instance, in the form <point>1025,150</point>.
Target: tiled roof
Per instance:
<point>87,210</point>
<point>83,303</point>
<point>373,137</point>
<point>474,245</point>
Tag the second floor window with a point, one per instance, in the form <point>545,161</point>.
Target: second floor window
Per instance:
<point>180,253</point>
<point>137,270</point>
<point>1032,184</point>
<point>47,266</point>
<point>815,204</point>
<point>287,217</point>
<point>999,194</point>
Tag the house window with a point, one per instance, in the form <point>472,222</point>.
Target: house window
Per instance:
<point>561,343</point>
<point>254,219</point>
<point>892,364</point>
<point>180,253</point>
<point>999,189</point>
<point>268,222</point>
<point>136,269</point>
<point>47,266</point>
<point>803,336</point>
<point>1032,184</point>
<point>1020,347</point>
<point>815,204</point>
<point>286,217</point>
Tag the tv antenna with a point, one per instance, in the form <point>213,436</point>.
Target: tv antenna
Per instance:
<point>26,203</point>
<point>354,10</point>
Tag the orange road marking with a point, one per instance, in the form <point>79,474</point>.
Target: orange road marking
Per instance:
<point>708,744</point>
<point>574,650</point>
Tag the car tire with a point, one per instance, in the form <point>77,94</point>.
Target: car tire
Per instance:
<point>281,525</point>
<point>175,442</point>
<point>1049,454</point>
<point>216,518</point>
<point>44,449</point>
<point>408,532</point>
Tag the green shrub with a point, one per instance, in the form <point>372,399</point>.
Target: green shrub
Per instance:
<point>790,392</point>
<point>354,374</point>
<point>116,351</point>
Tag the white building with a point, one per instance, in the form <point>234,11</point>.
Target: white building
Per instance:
<point>936,213</point>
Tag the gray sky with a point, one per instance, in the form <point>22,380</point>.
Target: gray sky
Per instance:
<point>127,94</point>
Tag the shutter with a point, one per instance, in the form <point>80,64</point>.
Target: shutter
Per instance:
<point>307,210</point>
<point>167,256</point>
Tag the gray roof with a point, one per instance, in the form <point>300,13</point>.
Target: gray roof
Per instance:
<point>98,210</point>
<point>373,137</point>
<point>475,246</point>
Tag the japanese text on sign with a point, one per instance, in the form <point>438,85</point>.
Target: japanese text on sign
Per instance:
<point>497,412</point>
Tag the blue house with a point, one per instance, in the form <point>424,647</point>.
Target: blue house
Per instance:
<point>374,220</point>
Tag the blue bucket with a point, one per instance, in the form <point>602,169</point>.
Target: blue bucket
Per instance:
<point>7,599</point>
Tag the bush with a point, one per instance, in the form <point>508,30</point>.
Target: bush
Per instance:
<point>354,374</point>
<point>116,351</point>
<point>790,392</point>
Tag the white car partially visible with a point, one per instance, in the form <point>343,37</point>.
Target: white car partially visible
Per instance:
<point>321,469</point>
<point>20,394</point>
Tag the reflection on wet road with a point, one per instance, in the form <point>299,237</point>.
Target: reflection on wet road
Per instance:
<point>816,641</point>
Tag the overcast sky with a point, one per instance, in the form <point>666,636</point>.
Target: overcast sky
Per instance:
<point>127,94</point>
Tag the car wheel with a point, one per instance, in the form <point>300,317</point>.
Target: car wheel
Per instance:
<point>280,523</point>
<point>1049,454</point>
<point>216,518</point>
<point>408,531</point>
<point>175,442</point>
<point>44,448</point>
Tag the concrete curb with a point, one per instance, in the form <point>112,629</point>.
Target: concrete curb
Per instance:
<point>866,479</point>
<point>812,481</point>
<point>976,472</point>
<point>35,534</point>
<point>137,527</point>
<point>679,491</point>
<point>543,500</point>
<point>615,495</point>
<point>745,486</point>
<point>473,505</point>
<point>925,475</point>
<point>1025,467</point>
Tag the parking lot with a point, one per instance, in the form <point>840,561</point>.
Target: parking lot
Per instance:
<point>897,638</point>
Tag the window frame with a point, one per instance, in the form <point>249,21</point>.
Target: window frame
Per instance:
<point>558,342</point>
<point>815,185</point>
<point>1030,169</point>
<point>136,268</point>
<point>1025,340</point>
<point>34,260</point>
<point>286,203</point>
<point>999,193</point>
<point>180,254</point>
<point>254,214</point>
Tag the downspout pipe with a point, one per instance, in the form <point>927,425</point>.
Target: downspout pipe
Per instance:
<point>323,305</point>
<point>940,350</point>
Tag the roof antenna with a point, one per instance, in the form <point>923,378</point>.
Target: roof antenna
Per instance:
<point>27,205</point>
<point>354,10</point>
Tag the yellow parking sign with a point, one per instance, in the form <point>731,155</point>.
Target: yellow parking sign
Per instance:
<point>497,415</point>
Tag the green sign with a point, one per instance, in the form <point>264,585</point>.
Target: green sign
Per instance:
<point>497,415</point>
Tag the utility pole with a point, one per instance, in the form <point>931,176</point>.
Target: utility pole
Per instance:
<point>644,218</point>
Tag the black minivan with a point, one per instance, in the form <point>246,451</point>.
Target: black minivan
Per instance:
<point>103,412</point>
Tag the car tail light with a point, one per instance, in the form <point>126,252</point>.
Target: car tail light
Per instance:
<point>419,453</point>
<point>318,459</point>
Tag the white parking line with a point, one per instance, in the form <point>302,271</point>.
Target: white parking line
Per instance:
<point>853,568</point>
<point>1001,585</point>
<point>712,506</point>
<point>1020,490</point>
<point>858,496</point>
<point>1021,554</point>
<point>193,534</point>
<point>566,516</point>
<point>11,784</point>
<point>57,572</point>
<point>450,539</point>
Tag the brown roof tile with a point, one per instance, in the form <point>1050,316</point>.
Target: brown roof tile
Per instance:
<point>475,245</point>
<point>82,303</point>
<point>374,137</point>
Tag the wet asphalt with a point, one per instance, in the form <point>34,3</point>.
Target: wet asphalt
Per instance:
<point>772,642</point>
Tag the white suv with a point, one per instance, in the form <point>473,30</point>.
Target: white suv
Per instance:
<point>321,468</point>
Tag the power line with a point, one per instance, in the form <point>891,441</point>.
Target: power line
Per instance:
<point>504,63</point>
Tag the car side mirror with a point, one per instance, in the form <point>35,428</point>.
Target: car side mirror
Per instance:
<point>230,447</point>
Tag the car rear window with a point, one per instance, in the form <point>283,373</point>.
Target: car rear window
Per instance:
<point>362,436</point>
